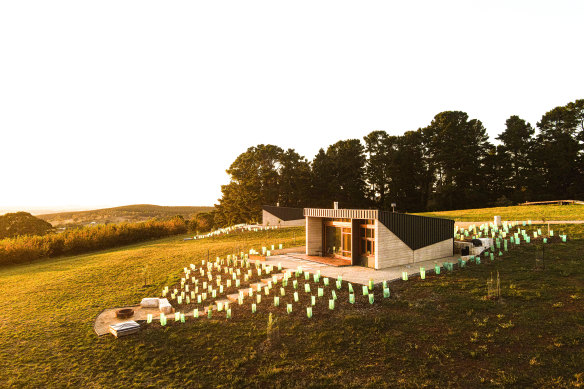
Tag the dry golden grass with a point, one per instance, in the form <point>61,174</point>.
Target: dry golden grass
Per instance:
<point>527,212</point>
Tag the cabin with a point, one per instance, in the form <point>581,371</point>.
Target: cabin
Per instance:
<point>375,238</point>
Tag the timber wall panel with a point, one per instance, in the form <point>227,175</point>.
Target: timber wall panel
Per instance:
<point>313,236</point>
<point>342,213</point>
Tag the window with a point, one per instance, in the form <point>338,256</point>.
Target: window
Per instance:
<point>367,239</point>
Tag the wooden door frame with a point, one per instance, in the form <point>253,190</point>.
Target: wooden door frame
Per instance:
<point>341,225</point>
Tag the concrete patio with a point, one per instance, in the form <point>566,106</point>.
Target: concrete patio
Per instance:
<point>357,274</point>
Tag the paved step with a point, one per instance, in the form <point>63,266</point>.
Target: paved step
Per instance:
<point>278,276</point>
<point>223,301</point>
<point>233,297</point>
<point>257,286</point>
<point>244,291</point>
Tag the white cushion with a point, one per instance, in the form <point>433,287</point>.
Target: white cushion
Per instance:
<point>164,306</point>
<point>149,302</point>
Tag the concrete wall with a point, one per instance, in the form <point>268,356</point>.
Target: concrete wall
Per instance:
<point>389,249</point>
<point>436,250</point>
<point>313,236</point>
<point>392,251</point>
<point>270,220</point>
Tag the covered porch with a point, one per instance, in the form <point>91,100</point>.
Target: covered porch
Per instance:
<point>342,234</point>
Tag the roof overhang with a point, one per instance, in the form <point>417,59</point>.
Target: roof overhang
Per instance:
<point>342,213</point>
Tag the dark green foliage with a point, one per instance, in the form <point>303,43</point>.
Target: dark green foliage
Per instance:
<point>294,179</point>
<point>515,159</point>
<point>413,177</point>
<point>456,147</point>
<point>264,174</point>
<point>449,164</point>
<point>381,168</point>
<point>22,223</point>
<point>322,180</point>
<point>339,175</point>
<point>558,153</point>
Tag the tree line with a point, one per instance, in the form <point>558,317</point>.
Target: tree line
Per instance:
<point>449,164</point>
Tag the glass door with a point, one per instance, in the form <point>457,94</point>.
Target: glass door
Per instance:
<point>332,240</point>
<point>338,239</point>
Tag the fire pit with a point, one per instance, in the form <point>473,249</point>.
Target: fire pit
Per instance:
<point>124,313</point>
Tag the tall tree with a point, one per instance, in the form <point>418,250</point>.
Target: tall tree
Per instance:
<point>558,154</point>
<point>494,188</point>
<point>380,151</point>
<point>323,180</point>
<point>577,109</point>
<point>412,177</point>
<point>262,175</point>
<point>455,147</point>
<point>515,153</point>
<point>338,175</point>
<point>254,182</point>
<point>349,167</point>
<point>294,180</point>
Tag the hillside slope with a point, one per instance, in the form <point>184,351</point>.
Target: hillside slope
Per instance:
<point>518,212</point>
<point>127,213</point>
<point>439,332</point>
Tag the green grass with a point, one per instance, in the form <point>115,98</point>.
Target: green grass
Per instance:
<point>533,212</point>
<point>439,332</point>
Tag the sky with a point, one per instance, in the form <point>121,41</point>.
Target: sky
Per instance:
<point>128,102</point>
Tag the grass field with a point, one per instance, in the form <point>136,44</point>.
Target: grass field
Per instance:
<point>440,332</point>
<point>533,212</point>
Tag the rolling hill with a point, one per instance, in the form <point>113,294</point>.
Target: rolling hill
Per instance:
<point>127,213</point>
<point>437,332</point>
<point>518,212</point>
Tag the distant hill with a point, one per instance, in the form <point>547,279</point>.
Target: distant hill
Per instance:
<point>127,213</point>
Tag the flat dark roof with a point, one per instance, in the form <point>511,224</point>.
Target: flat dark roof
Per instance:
<point>284,213</point>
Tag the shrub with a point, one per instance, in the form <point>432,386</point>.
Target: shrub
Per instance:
<point>27,248</point>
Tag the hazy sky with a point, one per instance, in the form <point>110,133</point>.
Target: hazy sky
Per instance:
<point>109,103</point>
